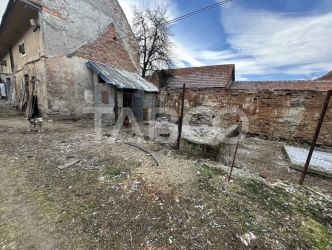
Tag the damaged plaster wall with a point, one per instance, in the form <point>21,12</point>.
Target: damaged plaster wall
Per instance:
<point>290,115</point>
<point>70,24</point>
<point>67,79</point>
<point>28,65</point>
<point>7,69</point>
<point>73,32</point>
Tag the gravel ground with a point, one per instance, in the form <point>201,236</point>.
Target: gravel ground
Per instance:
<point>116,197</point>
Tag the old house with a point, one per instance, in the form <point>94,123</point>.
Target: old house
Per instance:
<point>122,89</point>
<point>45,45</point>
<point>275,109</point>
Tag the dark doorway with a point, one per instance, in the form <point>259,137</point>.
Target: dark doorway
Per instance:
<point>8,87</point>
<point>133,99</point>
<point>127,99</point>
<point>138,100</point>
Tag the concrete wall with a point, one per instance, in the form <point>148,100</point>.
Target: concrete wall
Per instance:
<point>68,80</point>
<point>108,118</point>
<point>290,115</point>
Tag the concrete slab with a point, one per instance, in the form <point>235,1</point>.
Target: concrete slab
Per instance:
<point>205,141</point>
<point>321,162</point>
<point>206,135</point>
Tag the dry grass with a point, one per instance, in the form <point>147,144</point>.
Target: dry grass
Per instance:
<point>115,197</point>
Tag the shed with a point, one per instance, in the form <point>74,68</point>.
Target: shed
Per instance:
<point>119,89</point>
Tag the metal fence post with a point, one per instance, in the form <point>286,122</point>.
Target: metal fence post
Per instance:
<point>181,118</point>
<point>314,141</point>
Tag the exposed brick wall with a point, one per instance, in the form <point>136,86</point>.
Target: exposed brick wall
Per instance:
<point>105,49</point>
<point>290,115</point>
<point>88,26</point>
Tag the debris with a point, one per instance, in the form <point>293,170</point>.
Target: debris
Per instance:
<point>204,141</point>
<point>263,175</point>
<point>144,150</point>
<point>69,164</point>
<point>164,129</point>
<point>188,203</point>
<point>247,238</point>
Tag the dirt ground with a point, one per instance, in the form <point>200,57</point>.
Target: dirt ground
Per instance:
<point>116,197</point>
<point>267,158</point>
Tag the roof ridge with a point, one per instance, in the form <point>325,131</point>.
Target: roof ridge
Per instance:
<point>206,66</point>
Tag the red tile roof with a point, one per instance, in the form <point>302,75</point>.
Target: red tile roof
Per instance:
<point>327,77</point>
<point>201,77</point>
<point>282,85</point>
<point>222,76</point>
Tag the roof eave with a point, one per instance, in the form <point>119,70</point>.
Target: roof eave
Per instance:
<point>10,8</point>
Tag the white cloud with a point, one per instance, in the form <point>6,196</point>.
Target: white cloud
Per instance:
<point>262,43</point>
<point>267,43</point>
<point>278,40</point>
<point>129,6</point>
<point>184,53</point>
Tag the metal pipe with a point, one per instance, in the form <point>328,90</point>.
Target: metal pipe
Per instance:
<point>181,118</point>
<point>314,141</point>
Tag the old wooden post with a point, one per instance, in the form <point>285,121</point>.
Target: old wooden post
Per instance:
<point>314,141</point>
<point>181,118</point>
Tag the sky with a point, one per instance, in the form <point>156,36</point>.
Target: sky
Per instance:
<point>266,40</point>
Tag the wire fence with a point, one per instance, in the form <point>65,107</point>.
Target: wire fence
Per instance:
<point>272,157</point>
<point>311,159</point>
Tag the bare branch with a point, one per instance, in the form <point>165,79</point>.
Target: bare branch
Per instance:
<point>153,38</point>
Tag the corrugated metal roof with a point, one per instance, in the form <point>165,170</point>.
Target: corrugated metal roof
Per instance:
<point>282,85</point>
<point>121,79</point>
<point>201,77</point>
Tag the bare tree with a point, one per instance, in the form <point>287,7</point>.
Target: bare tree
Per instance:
<point>309,76</point>
<point>153,37</point>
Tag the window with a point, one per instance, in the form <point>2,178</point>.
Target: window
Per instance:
<point>21,48</point>
<point>104,97</point>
